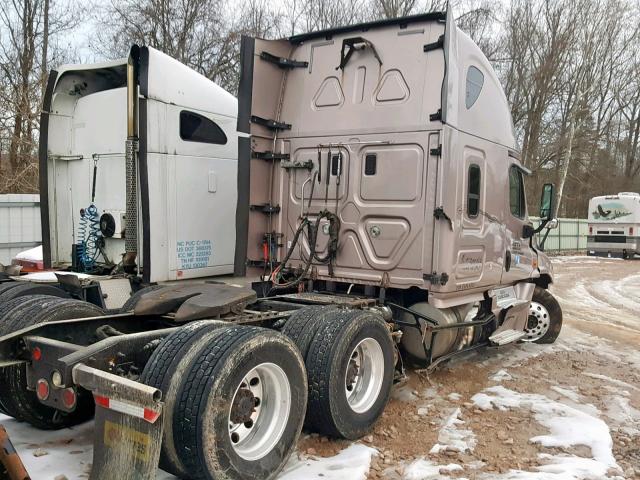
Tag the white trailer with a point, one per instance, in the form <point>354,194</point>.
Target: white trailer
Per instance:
<point>614,225</point>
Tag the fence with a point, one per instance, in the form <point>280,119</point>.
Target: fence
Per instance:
<point>571,235</point>
<point>19,224</point>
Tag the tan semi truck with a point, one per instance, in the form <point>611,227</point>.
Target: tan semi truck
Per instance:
<point>381,208</point>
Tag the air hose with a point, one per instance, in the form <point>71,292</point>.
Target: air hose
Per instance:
<point>312,235</point>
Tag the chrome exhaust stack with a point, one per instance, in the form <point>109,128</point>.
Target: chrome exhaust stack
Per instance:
<point>131,153</point>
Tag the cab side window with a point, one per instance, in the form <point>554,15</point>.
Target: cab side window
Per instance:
<point>473,190</point>
<point>517,201</point>
<point>197,128</point>
<point>475,81</point>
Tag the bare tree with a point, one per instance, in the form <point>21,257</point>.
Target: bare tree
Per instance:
<point>26,29</point>
<point>394,8</point>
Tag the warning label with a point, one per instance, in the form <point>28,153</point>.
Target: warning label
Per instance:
<point>194,254</point>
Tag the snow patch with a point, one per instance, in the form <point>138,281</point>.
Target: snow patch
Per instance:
<point>500,375</point>
<point>568,426</point>
<point>404,394</point>
<point>450,437</point>
<point>426,470</point>
<point>454,397</point>
<point>570,394</point>
<point>57,446</point>
<point>625,416</point>
<point>614,381</point>
<point>352,463</point>
<point>48,277</point>
<point>32,255</point>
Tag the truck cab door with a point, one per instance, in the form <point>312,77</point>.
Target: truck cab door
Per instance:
<point>519,258</point>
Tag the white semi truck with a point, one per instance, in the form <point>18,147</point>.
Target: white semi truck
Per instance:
<point>614,225</point>
<point>138,173</point>
<point>381,212</point>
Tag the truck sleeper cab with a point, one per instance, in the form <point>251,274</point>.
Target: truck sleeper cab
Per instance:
<point>138,156</point>
<point>614,225</point>
<point>367,207</point>
<point>382,160</point>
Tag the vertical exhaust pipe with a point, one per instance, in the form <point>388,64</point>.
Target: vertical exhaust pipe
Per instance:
<point>131,154</point>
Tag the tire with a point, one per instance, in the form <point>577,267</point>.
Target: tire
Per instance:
<point>333,410</point>
<point>5,286</point>
<point>166,369</point>
<point>5,328</point>
<point>130,304</point>
<point>545,318</point>
<point>27,288</point>
<point>206,436</point>
<point>17,400</point>
<point>303,324</point>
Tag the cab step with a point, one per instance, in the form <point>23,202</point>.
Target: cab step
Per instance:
<point>506,336</point>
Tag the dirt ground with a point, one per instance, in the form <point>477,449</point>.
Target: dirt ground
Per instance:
<point>593,367</point>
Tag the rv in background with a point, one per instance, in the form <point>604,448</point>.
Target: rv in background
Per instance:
<point>614,225</point>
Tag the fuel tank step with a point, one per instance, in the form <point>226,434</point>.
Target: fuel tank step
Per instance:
<point>506,336</point>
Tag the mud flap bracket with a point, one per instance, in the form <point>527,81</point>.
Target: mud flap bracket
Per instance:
<point>128,425</point>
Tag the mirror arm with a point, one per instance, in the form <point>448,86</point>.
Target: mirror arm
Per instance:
<point>544,239</point>
<point>543,223</point>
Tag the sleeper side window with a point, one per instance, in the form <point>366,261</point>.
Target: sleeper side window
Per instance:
<point>473,190</point>
<point>517,201</point>
<point>197,128</point>
<point>475,80</point>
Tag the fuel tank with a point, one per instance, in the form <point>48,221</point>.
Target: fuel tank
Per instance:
<point>447,340</point>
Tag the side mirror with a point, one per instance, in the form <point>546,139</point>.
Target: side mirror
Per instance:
<point>547,201</point>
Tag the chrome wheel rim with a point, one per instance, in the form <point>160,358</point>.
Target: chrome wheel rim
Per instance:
<point>364,375</point>
<point>538,322</point>
<point>259,411</point>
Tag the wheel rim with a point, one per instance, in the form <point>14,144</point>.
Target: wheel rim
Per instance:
<point>538,322</point>
<point>364,375</point>
<point>259,411</point>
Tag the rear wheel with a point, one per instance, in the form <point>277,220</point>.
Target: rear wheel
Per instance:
<point>165,370</point>
<point>350,368</point>
<point>23,289</point>
<point>545,318</point>
<point>303,324</point>
<point>240,409</point>
<point>6,286</point>
<point>16,399</point>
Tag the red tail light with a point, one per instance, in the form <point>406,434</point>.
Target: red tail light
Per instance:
<point>69,397</point>
<point>36,354</point>
<point>630,230</point>
<point>590,230</point>
<point>42,389</point>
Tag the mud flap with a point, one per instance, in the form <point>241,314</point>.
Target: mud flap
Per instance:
<point>128,425</point>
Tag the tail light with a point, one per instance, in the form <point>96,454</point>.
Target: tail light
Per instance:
<point>630,230</point>
<point>590,230</point>
<point>69,397</point>
<point>42,389</point>
<point>36,354</point>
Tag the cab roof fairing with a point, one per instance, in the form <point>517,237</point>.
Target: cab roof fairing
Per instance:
<point>162,78</point>
<point>489,117</point>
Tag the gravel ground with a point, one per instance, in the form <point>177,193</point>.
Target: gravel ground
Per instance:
<point>570,410</point>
